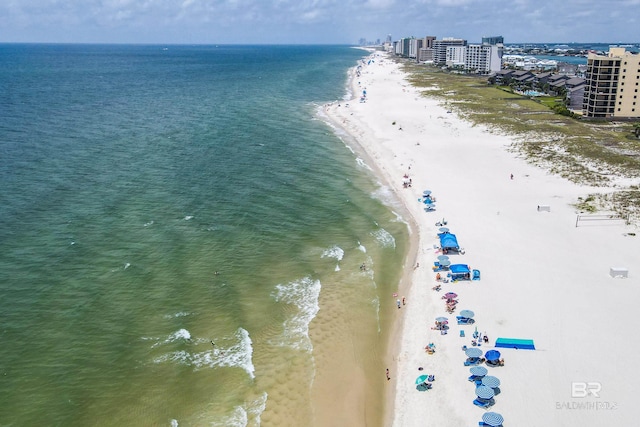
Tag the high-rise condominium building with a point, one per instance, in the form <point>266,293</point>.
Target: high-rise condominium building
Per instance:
<point>612,85</point>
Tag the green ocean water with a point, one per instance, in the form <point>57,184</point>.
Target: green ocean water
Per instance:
<point>172,219</point>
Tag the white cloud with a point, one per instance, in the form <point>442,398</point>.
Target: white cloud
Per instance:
<point>321,21</point>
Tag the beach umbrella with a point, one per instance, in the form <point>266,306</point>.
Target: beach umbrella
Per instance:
<point>478,371</point>
<point>426,193</point>
<point>421,379</point>
<point>484,392</point>
<point>450,295</point>
<point>492,419</point>
<point>467,314</point>
<point>492,355</point>
<point>441,319</point>
<point>473,352</point>
<point>443,229</point>
<point>491,381</point>
<point>443,258</point>
<point>445,263</point>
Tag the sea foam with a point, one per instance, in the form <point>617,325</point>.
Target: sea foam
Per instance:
<point>247,415</point>
<point>302,294</point>
<point>384,238</point>
<point>334,252</point>
<point>238,353</point>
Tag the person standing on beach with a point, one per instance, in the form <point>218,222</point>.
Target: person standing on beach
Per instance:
<point>388,377</point>
<point>403,301</point>
<point>398,302</point>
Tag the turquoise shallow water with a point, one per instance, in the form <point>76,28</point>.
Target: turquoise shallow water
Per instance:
<point>154,200</point>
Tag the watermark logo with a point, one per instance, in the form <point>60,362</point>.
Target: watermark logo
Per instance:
<point>581,389</point>
<point>586,392</point>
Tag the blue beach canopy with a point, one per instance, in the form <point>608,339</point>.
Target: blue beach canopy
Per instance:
<point>515,343</point>
<point>459,268</point>
<point>449,241</point>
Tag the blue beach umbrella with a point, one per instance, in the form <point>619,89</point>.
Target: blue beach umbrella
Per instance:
<point>443,229</point>
<point>491,381</point>
<point>445,263</point>
<point>492,419</point>
<point>492,355</point>
<point>421,379</point>
<point>443,258</point>
<point>441,319</point>
<point>473,352</point>
<point>426,193</point>
<point>484,392</point>
<point>478,371</point>
<point>467,314</point>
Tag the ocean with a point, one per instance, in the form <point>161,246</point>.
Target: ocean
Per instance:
<point>182,235</point>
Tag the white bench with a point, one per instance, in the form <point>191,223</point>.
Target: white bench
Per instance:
<point>619,272</point>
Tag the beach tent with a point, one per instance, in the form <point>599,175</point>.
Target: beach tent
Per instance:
<point>460,271</point>
<point>449,241</point>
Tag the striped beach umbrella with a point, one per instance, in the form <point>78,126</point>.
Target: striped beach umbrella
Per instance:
<point>484,392</point>
<point>492,419</point>
<point>491,381</point>
<point>467,314</point>
<point>478,371</point>
<point>473,352</point>
<point>450,295</point>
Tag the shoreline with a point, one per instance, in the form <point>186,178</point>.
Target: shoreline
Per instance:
<point>407,278</point>
<point>529,259</point>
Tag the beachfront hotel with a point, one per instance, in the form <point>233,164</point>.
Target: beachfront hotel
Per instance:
<point>482,58</point>
<point>611,89</point>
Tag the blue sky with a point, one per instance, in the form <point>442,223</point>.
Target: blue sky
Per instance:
<point>315,21</point>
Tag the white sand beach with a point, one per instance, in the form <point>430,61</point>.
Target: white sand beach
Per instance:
<point>542,278</point>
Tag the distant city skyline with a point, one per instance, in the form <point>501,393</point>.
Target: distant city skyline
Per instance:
<point>316,21</point>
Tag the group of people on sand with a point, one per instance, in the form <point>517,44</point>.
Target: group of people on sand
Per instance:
<point>430,348</point>
<point>450,304</point>
<point>406,181</point>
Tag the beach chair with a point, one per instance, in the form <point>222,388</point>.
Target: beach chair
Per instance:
<point>464,320</point>
<point>462,333</point>
<point>475,379</point>
<point>476,275</point>
<point>483,403</point>
<point>472,361</point>
<point>424,386</point>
